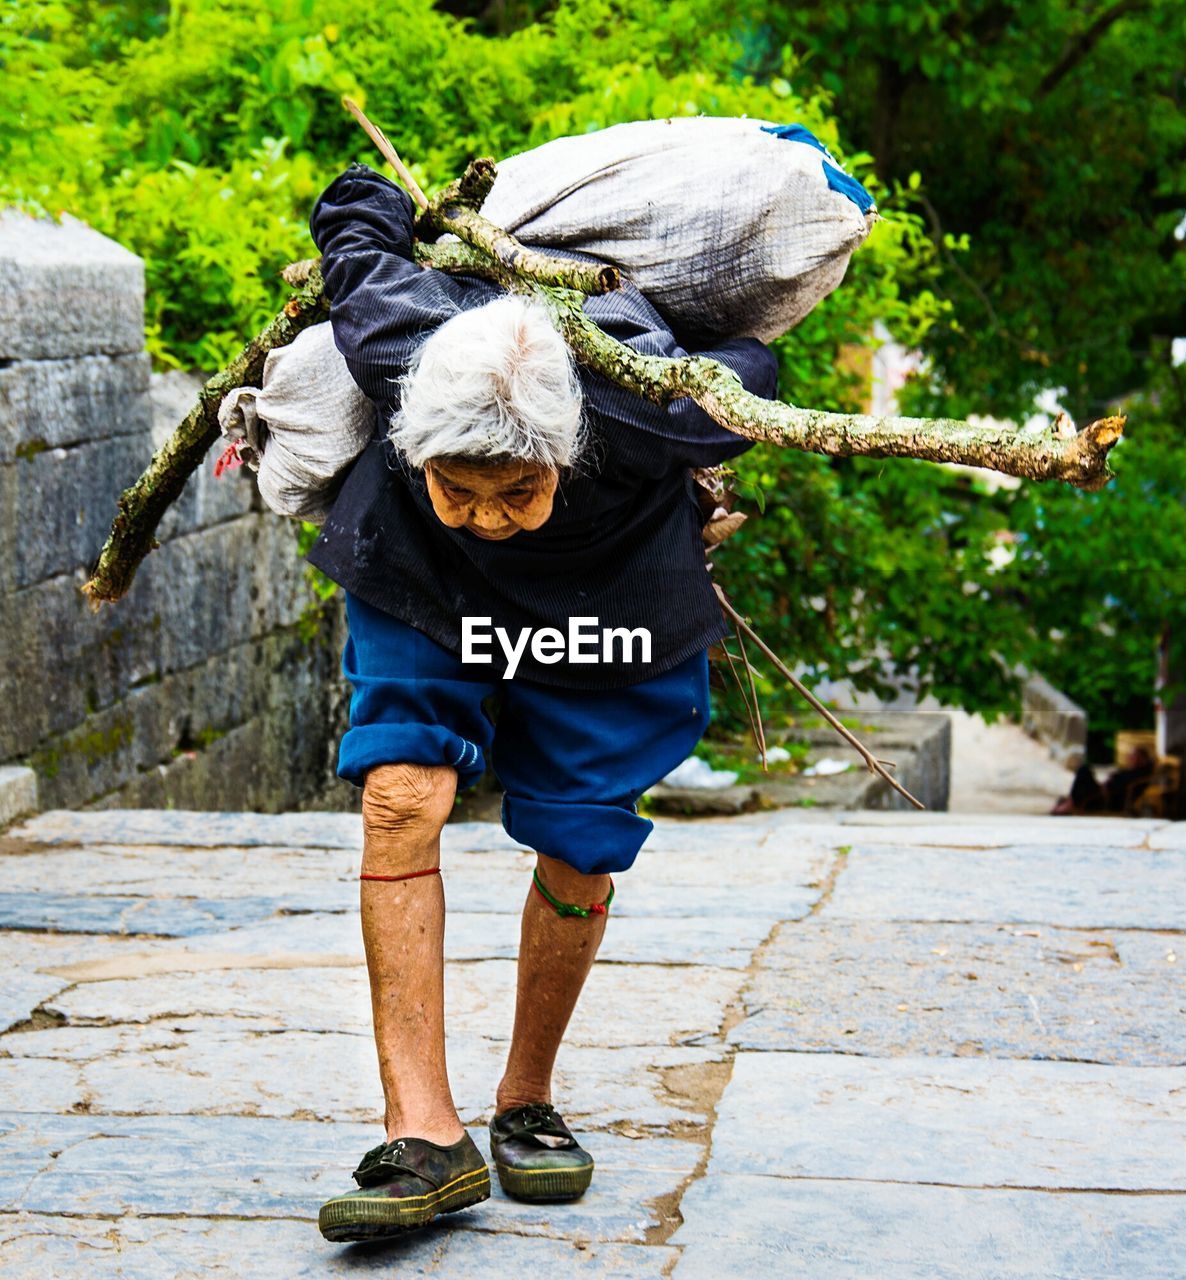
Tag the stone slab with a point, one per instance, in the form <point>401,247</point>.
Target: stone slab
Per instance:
<point>1171,837</point>
<point>231,1066</point>
<point>621,1004</point>
<point>61,521</point>
<point>50,403</point>
<point>724,836</point>
<point>50,627</point>
<point>166,871</point>
<point>33,1246</point>
<point>69,291</point>
<point>990,830</point>
<point>187,608</point>
<point>181,717</point>
<point>170,891</point>
<point>885,989</point>
<point>1051,717</point>
<point>959,1122</point>
<point>26,1144</point>
<point>18,793</point>
<point>742,1226</point>
<point>1072,886</point>
<point>205,830</point>
<point>691,802</point>
<point>47,952</point>
<point>290,941</point>
<point>261,1168</point>
<point>266,590</point>
<point>22,992</point>
<point>10,499</point>
<point>100,913</point>
<point>765,883</point>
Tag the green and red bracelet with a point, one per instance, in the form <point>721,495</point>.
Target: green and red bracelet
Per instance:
<point>570,908</point>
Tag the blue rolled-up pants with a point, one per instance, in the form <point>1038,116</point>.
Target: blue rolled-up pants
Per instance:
<point>572,763</point>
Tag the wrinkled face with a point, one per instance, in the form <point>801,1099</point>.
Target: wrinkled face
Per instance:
<point>492,500</point>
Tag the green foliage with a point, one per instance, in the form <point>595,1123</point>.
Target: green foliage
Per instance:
<point>1028,172</point>
<point>1100,574</point>
<point>1044,143</point>
<point>202,141</point>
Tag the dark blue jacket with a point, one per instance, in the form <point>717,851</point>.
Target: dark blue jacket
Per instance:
<point>623,542</point>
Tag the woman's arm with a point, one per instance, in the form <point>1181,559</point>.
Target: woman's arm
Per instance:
<point>383,304</point>
<point>681,431</point>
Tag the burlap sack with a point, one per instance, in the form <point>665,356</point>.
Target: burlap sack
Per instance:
<point>731,227</point>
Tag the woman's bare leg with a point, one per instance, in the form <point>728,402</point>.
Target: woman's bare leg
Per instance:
<point>555,956</point>
<point>403,928</point>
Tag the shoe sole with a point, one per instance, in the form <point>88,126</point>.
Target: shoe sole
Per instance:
<point>372,1217</point>
<point>542,1185</point>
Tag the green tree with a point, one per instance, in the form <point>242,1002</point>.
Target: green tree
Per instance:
<point>1026,159</point>
<point>1099,576</point>
<point>1049,142</point>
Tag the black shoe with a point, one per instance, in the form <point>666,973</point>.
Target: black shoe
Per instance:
<point>536,1156</point>
<point>405,1184</point>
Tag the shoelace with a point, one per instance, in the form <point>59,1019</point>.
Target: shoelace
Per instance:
<point>380,1162</point>
<point>539,1114</point>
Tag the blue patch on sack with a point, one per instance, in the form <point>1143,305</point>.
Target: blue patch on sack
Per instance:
<point>838,180</point>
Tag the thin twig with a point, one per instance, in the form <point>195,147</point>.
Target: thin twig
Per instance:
<point>379,138</point>
<point>871,761</point>
<point>749,711</point>
<point>759,731</point>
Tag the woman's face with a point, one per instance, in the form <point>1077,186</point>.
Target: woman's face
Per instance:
<point>492,500</point>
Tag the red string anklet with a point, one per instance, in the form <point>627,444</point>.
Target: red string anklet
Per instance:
<point>412,875</point>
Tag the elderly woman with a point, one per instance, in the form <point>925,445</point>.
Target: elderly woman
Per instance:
<point>507,494</point>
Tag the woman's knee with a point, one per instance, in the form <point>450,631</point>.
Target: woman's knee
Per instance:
<point>404,807</point>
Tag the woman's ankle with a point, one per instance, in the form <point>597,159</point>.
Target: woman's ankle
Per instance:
<point>511,1094</point>
<point>442,1130</point>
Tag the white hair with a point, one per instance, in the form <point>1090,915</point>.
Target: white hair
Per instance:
<point>494,382</point>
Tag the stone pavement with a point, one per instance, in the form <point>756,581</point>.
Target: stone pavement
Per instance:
<point>837,1046</point>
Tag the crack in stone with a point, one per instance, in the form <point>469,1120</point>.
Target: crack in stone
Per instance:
<point>969,1186</point>
<point>1015,924</point>
<point>713,1078</point>
<point>827,885</point>
<point>52,1160</point>
<point>61,931</point>
<point>39,1019</point>
<point>143,1214</point>
<point>504,1228</point>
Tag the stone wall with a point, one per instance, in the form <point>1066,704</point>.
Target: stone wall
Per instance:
<point>1057,722</point>
<point>214,683</point>
<point>919,745</point>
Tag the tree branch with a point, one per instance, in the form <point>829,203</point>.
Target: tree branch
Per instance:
<point>1078,48</point>
<point>1056,453</point>
<point>1059,452</point>
<point>141,507</point>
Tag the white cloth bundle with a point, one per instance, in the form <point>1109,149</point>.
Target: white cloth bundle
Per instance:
<point>303,427</point>
<point>731,227</point>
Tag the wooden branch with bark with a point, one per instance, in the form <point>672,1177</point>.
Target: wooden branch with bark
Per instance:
<point>1060,452</point>
<point>140,508</point>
